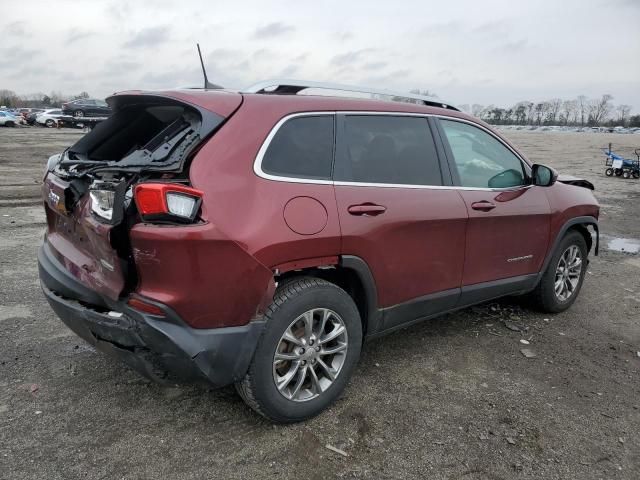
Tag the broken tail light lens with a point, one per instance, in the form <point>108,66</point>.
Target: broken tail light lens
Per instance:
<point>167,202</point>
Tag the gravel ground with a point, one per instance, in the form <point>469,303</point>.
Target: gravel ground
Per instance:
<point>450,398</point>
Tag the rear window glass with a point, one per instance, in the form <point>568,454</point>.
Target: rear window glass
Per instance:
<point>388,149</point>
<point>302,148</point>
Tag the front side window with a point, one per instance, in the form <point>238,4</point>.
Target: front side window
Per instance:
<point>388,149</point>
<point>302,148</point>
<point>482,161</point>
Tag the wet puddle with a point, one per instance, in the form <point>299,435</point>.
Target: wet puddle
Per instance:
<point>625,245</point>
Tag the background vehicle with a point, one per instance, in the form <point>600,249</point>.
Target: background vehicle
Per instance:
<point>49,118</point>
<point>86,107</point>
<point>162,248</point>
<point>8,120</point>
<point>620,166</point>
<point>31,114</point>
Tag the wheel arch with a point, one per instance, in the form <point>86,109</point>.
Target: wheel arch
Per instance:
<point>581,225</point>
<point>353,275</point>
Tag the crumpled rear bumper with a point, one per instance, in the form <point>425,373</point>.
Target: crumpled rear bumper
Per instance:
<point>160,347</point>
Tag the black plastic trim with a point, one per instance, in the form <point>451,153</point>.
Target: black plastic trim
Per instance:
<point>448,154</point>
<point>447,301</point>
<point>585,220</point>
<point>362,270</point>
<point>482,292</point>
<point>445,167</point>
<point>420,308</point>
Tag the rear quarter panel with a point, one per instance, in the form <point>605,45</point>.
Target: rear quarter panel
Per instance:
<point>249,209</point>
<point>224,269</point>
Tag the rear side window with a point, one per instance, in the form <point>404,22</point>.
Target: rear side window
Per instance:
<point>302,148</point>
<point>388,149</point>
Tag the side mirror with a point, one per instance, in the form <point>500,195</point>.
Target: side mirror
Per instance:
<point>543,176</point>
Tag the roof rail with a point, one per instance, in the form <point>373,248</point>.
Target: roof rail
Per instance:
<point>292,87</point>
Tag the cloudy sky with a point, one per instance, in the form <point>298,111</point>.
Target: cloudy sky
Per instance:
<point>489,52</point>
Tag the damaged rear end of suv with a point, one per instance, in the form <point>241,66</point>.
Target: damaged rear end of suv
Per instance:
<point>119,203</point>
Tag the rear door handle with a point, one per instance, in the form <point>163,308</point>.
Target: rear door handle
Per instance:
<point>368,209</point>
<point>483,206</point>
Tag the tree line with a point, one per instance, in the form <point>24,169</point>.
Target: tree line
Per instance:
<point>581,111</point>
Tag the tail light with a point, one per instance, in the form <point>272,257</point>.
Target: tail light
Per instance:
<point>167,202</point>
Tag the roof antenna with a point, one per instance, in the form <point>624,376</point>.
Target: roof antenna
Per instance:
<point>207,84</point>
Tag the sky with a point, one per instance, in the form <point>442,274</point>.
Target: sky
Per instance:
<point>490,52</point>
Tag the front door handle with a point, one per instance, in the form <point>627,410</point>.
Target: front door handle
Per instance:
<point>483,206</point>
<point>368,209</point>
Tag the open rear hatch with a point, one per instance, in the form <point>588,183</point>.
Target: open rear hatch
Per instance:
<point>88,188</point>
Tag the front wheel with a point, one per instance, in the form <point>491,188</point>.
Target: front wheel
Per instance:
<point>307,353</point>
<point>609,172</point>
<point>561,282</point>
<point>50,123</point>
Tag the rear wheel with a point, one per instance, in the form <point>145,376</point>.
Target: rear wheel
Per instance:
<point>636,174</point>
<point>307,353</point>
<point>50,123</point>
<point>561,282</point>
<point>626,174</point>
<point>608,172</point>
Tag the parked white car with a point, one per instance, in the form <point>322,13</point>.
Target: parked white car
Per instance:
<point>8,120</point>
<point>49,118</point>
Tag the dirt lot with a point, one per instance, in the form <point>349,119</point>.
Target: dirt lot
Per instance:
<point>451,398</point>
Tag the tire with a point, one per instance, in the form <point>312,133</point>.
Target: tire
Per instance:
<point>50,123</point>
<point>626,174</point>
<point>544,297</point>
<point>618,172</point>
<point>10,124</point>
<point>302,296</point>
<point>636,175</point>
<point>78,114</point>
<point>608,172</point>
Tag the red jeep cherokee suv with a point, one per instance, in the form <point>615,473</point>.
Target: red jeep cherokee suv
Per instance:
<point>257,237</point>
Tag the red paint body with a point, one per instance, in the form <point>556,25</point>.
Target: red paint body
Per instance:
<point>221,272</point>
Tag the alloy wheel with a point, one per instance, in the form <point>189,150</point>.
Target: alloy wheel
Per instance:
<point>568,273</point>
<point>310,354</point>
